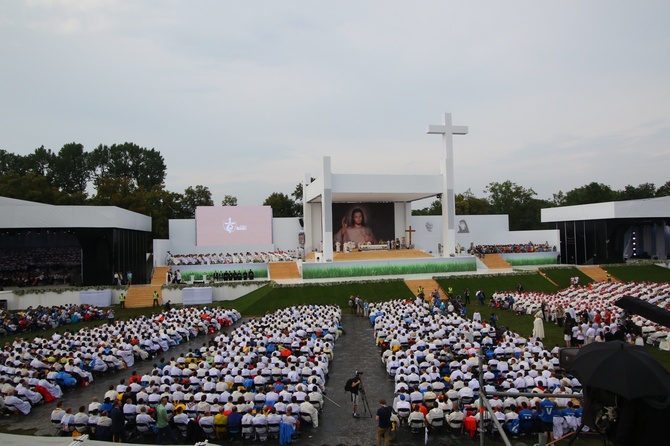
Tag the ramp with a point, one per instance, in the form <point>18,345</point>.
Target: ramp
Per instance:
<point>283,270</point>
<point>494,261</point>
<point>429,285</point>
<point>139,296</point>
<point>596,273</point>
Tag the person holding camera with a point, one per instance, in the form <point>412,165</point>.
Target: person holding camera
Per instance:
<point>356,388</point>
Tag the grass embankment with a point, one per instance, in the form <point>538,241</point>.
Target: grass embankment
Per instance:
<point>639,273</point>
<point>562,275</point>
<point>270,298</point>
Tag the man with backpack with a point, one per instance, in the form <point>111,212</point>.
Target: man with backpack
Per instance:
<point>354,386</point>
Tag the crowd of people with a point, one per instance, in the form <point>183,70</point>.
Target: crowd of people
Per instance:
<point>32,371</point>
<point>27,267</point>
<point>482,250</point>
<point>263,379</point>
<point>43,318</point>
<point>228,258</point>
<point>589,314</point>
<point>431,355</point>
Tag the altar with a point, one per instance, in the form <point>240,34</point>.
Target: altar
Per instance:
<point>379,247</point>
<point>197,295</point>
<point>97,298</point>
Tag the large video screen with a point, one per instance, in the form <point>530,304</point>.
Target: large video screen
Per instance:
<point>363,222</point>
<point>233,225</point>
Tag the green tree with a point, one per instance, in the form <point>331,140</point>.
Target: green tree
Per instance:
<point>194,197</point>
<point>468,204</point>
<point>115,192</point>
<point>11,163</point>
<point>590,193</point>
<point>644,190</point>
<point>516,201</point>
<point>282,205</point>
<point>435,208</point>
<point>229,200</point>
<point>298,191</point>
<point>146,168</point>
<point>69,170</point>
<point>30,187</point>
<point>663,191</point>
<point>40,161</point>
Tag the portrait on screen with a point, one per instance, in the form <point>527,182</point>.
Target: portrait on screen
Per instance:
<point>362,223</point>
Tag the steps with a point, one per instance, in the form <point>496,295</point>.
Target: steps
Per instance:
<point>139,296</point>
<point>429,285</point>
<point>596,273</point>
<point>494,261</point>
<point>283,270</point>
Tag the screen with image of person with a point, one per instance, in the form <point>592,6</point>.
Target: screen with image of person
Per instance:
<point>363,223</point>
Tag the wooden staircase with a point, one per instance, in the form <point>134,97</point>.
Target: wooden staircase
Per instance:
<point>596,273</point>
<point>494,261</point>
<point>283,270</point>
<point>429,285</point>
<point>139,296</point>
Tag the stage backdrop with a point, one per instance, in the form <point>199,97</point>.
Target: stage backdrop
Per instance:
<point>377,217</point>
<point>233,225</point>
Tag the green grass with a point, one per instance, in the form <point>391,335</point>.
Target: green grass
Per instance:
<point>562,275</point>
<point>270,298</point>
<point>639,273</point>
<point>387,270</point>
<point>531,281</point>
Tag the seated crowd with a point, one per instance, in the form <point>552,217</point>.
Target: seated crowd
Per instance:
<point>228,258</point>
<point>44,318</point>
<point>431,354</point>
<point>38,266</point>
<point>263,380</point>
<point>589,314</point>
<point>40,369</point>
<point>481,250</point>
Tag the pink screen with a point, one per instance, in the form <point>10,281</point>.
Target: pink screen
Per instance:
<point>233,225</point>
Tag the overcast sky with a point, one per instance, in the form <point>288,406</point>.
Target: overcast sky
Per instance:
<point>247,97</point>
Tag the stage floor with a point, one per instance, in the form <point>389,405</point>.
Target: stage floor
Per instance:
<point>375,255</point>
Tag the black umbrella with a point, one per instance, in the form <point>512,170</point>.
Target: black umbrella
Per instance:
<point>621,368</point>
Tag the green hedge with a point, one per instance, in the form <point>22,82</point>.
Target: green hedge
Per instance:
<point>387,270</point>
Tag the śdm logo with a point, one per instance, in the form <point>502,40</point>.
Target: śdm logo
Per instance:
<point>231,226</point>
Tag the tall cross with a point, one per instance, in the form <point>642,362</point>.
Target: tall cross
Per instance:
<point>447,130</point>
<point>409,231</point>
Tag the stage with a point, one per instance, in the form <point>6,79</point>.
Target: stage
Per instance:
<point>393,254</point>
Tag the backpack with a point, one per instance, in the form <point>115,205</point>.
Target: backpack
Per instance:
<point>348,385</point>
<point>512,426</point>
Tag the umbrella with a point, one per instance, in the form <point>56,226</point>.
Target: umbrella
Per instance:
<point>621,368</point>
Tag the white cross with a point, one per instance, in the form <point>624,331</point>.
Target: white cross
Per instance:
<point>447,130</point>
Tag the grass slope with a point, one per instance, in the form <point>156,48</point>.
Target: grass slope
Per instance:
<point>639,273</point>
<point>531,281</point>
<point>562,276</point>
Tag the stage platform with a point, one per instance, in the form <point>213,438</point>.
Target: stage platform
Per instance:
<point>393,254</point>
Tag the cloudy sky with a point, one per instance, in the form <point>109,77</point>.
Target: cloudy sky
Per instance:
<point>246,97</point>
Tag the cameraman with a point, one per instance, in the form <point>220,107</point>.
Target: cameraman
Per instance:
<point>356,388</point>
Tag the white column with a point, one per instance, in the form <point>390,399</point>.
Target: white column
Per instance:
<point>327,211</point>
<point>447,130</point>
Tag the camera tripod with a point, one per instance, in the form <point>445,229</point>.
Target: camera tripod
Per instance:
<point>364,399</point>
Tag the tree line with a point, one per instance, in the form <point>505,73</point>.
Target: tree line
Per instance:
<point>523,207</point>
<point>133,178</point>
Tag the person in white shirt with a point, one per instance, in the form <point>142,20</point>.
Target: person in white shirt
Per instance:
<point>20,405</point>
<point>308,413</point>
